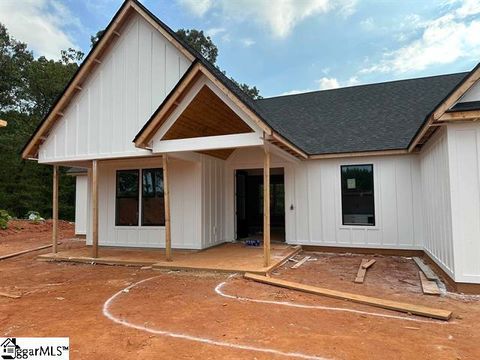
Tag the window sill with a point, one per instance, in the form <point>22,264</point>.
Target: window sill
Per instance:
<point>138,227</point>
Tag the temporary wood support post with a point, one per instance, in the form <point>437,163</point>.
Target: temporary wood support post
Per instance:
<point>94,209</point>
<point>55,209</point>
<point>166,194</point>
<point>266,208</point>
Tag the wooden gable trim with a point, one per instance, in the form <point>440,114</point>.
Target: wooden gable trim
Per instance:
<point>171,102</point>
<point>469,115</point>
<point>93,59</point>
<point>425,132</point>
<point>177,95</point>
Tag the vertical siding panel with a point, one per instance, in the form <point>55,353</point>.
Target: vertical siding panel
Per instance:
<point>120,94</point>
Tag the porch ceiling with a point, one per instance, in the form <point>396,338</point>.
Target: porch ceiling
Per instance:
<point>207,115</point>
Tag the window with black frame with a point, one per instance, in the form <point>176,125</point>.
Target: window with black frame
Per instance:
<point>127,197</point>
<point>358,203</point>
<point>153,208</point>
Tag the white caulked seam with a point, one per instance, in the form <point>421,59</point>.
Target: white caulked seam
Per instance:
<point>218,290</point>
<point>109,315</point>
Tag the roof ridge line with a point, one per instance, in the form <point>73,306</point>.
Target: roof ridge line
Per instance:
<point>362,85</point>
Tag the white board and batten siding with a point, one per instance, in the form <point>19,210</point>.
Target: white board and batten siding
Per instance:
<point>118,97</point>
<point>81,196</point>
<point>436,199</point>
<point>464,165</point>
<point>186,206</point>
<point>213,201</point>
<point>398,214</point>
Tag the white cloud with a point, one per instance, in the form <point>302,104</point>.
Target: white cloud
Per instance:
<point>215,31</point>
<point>197,7</point>
<point>247,42</point>
<point>39,23</point>
<point>281,17</point>
<point>368,24</point>
<point>443,40</point>
<point>326,83</point>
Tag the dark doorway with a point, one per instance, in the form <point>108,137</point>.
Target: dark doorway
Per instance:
<point>249,204</point>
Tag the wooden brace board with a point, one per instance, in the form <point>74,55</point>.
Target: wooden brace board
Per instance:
<point>429,274</point>
<point>301,262</point>
<point>369,263</point>
<point>366,300</point>
<point>362,271</point>
<point>429,287</point>
<point>8,256</point>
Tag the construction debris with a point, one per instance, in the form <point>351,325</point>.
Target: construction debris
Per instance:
<point>11,296</point>
<point>362,271</point>
<point>367,300</point>
<point>301,262</point>
<point>429,274</point>
<point>8,256</point>
<point>429,287</point>
<point>368,264</point>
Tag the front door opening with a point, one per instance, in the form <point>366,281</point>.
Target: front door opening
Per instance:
<point>249,204</point>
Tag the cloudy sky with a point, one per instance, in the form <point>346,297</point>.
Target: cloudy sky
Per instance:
<point>284,46</point>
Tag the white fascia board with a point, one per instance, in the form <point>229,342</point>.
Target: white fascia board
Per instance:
<point>208,143</point>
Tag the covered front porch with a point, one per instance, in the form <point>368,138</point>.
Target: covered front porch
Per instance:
<point>185,192</point>
<point>228,257</point>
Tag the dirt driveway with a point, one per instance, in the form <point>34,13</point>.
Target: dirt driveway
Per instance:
<point>119,312</point>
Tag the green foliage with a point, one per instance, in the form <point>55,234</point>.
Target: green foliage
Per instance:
<point>198,41</point>
<point>251,91</point>
<point>28,91</point>
<point>94,38</point>
<point>4,219</point>
<point>207,48</point>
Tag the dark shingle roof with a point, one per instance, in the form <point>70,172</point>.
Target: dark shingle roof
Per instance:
<point>466,106</point>
<point>384,116</point>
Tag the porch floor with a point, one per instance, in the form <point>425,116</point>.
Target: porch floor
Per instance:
<point>228,257</point>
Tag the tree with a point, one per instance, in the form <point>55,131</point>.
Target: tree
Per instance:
<point>14,60</point>
<point>28,88</point>
<point>198,41</point>
<point>47,79</point>
<point>251,91</point>
<point>206,47</point>
<point>95,38</point>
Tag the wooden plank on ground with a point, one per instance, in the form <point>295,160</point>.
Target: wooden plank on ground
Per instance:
<point>301,262</point>
<point>429,274</point>
<point>429,287</point>
<point>3,123</point>
<point>8,256</point>
<point>367,300</point>
<point>11,296</point>
<point>361,272</point>
<point>369,263</point>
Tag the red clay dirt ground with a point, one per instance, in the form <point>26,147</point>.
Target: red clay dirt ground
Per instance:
<point>175,314</point>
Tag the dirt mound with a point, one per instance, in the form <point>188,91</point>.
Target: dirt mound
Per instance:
<point>17,226</point>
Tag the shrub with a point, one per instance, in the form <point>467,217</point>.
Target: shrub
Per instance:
<point>4,219</point>
<point>34,216</point>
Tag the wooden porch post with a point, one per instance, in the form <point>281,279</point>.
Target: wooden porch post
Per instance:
<point>94,209</point>
<point>55,209</point>
<point>266,208</point>
<point>166,195</point>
